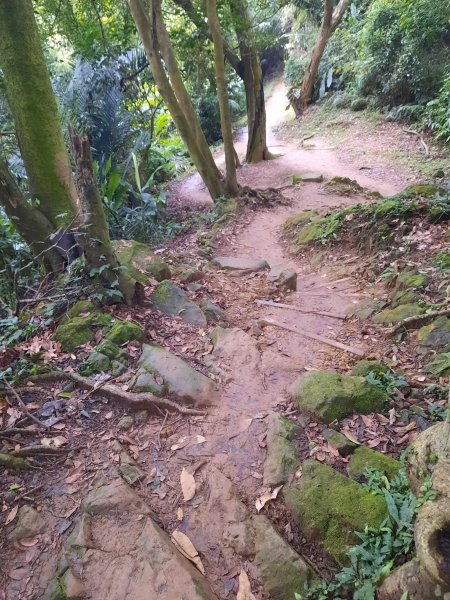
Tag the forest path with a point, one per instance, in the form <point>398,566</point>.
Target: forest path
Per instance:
<point>255,367</point>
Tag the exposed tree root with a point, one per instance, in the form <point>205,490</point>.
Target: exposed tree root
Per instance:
<point>22,405</point>
<point>410,321</point>
<point>39,451</point>
<point>267,197</point>
<point>136,401</point>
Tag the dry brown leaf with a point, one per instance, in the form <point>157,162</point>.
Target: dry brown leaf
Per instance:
<point>184,545</point>
<point>180,514</point>
<point>188,441</point>
<point>349,435</point>
<point>109,414</point>
<point>28,542</point>
<point>75,475</point>
<point>243,426</point>
<point>11,515</point>
<point>266,497</point>
<point>187,485</point>
<point>245,590</point>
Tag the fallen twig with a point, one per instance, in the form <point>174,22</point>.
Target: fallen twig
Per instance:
<point>421,140</point>
<point>39,451</point>
<point>134,400</point>
<point>313,336</point>
<point>298,309</point>
<point>26,494</point>
<point>22,405</point>
<point>418,319</point>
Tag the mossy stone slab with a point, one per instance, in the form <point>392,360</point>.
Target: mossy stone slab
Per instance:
<point>366,308</point>
<point>283,571</point>
<point>282,459</point>
<point>330,507</point>
<point>363,458</point>
<point>395,315</point>
<point>181,381</point>
<point>435,335</point>
<point>79,330</point>
<point>339,441</point>
<point>140,261</point>
<point>171,300</point>
<point>300,219</point>
<point>307,177</point>
<point>329,396</point>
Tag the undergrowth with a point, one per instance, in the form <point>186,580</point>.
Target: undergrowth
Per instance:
<point>380,548</point>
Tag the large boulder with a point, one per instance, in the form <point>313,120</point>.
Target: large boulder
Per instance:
<point>329,396</point>
<point>282,459</point>
<point>171,300</point>
<point>366,308</point>
<point>426,449</point>
<point>411,578</point>
<point>283,277</point>
<point>436,334</point>
<point>330,507</point>
<point>180,380</point>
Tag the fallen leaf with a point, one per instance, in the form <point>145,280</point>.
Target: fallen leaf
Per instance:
<point>184,545</point>
<point>266,497</point>
<point>348,434</point>
<point>109,414</point>
<point>11,515</point>
<point>180,514</point>
<point>28,542</point>
<point>75,475</point>
<point>18,574</point>
<point>245,590</point>
<point>188,441</point>
<point>245,424</point>
<point>187,485</point>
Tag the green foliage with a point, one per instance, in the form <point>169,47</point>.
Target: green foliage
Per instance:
<point>437,115</point>
<point>380,548</point>
<point>387,381</point>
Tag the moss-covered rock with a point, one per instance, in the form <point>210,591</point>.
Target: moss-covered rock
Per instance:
<point>366,308</point>
<point>307,177</point>
<point>429,447</point>
<point>283,277</point>
<point>395,315</point>
<point>191,275</point>
<point>404,297</point>
<point>310,232</point>
<point>76,331</point>
<point>140,261</point>
<point>339,441</point>
<point>330,507</point>
<point>213,312</point>
<point>363,458</point>
<point>424,190</point>
<point>282,570</point>
<point>436,334</point>
<point>363,367</point>
<point>171,300</point>
<point>110,349</point>
<point>439,366</point>
<point>146,382</point>
<point>410,279</point>
<point>82,306</point>
<point>180,380</point>
<point>343,186</point>
<point>124,331</point>
<point>301,219</point>
<point>96,362</point>
<point>282,458</point>
<point>330,396</point>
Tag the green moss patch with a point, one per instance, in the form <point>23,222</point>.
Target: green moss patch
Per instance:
<point>76,331</point>
<point>124,331</point>
<point>395,315</point>
<point>331,396</point>
<point>330,507</point>
<point>364,458</point>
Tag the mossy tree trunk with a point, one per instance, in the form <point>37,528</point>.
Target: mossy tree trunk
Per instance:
<point>35,114</point>
<point>330,21</point>
<point>53,210</point>
<point>168,79</point>
<point>98,251</point>
<point>231,184</point>
<point>30,223</point>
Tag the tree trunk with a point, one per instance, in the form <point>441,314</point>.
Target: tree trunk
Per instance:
<point>231,184</point>
<point>330,22</point>
<point>99,254</point>
<point>160,56</point>
<point>251,73</point>
<point>35,113</point>
<point>248,68</point>
<point>30,223</point>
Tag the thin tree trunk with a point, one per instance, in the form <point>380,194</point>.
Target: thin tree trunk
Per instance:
<point>231,184</point>
<point>35,113</point>
<point>174,93</point>
<point>330,22</point>
<point>251,74</point>
<point>98,249</point>
<point>30,223</point>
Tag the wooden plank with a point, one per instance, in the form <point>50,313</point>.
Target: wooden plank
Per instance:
<point>313,336</point>
<point>298,309</point>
